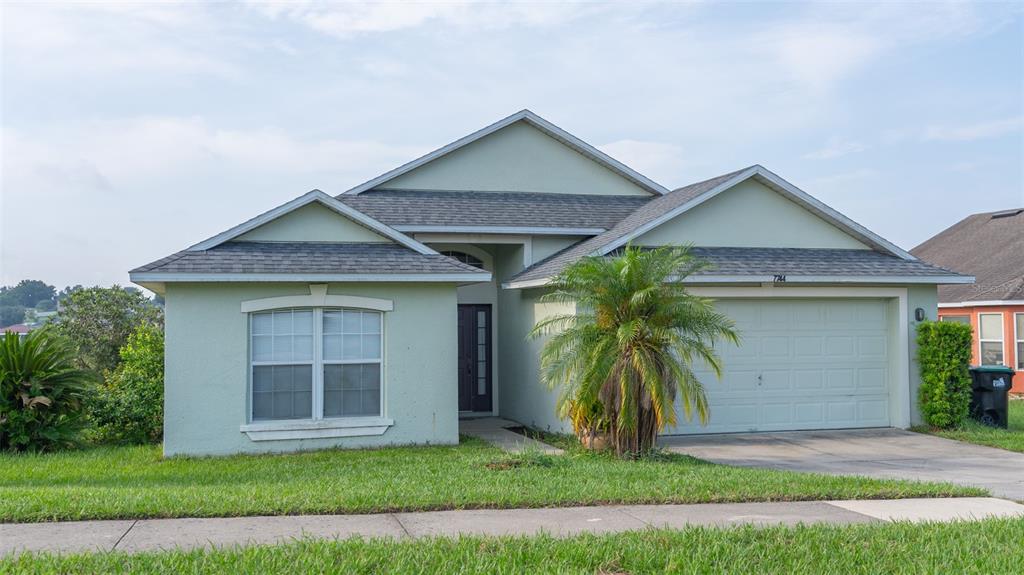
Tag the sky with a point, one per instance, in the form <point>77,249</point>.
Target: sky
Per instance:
<point>131,131</point>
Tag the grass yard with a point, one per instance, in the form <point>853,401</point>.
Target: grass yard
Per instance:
<point>991,546</point>
<point>135,482</point>
<point>1011,438</point>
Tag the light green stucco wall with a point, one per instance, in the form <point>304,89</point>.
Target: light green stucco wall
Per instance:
<point>925,297</point>
<point>312,223</point>
<point>750,215</point>
<point>518,158</point>
<point>544,246</point>
<point>206,373</point>
<point>523,397</point>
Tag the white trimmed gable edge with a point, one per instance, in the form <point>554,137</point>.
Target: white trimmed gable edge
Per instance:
<point>781,186</point>
<point>537,122</point>
<point>328,202</point>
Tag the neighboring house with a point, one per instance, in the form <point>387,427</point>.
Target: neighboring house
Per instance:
<point>989,246</point>
<point>383,315</point>
<point>18,328</point>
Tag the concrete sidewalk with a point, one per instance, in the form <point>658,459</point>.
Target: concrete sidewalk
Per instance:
<point>152,534</point>
<point>495,431</point>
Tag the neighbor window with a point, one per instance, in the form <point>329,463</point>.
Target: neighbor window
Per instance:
<point>990,335</point>
<point>316,363</point>
<point>957,319</point>
<point>1019,333</point>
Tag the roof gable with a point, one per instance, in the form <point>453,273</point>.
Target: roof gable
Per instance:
<point>312,222</point>
<point>316,196</point>
<point>520,153</point>
<point>752,215</point>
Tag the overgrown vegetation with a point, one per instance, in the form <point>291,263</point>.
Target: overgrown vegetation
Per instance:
<point>41,393</point>
<point>985,547</point>
<point>98,322</point>
<point>129,406</point>
<point>944,355</point>
<point>628,349</point>
<point>1011,439</point>
<point>135,481</point>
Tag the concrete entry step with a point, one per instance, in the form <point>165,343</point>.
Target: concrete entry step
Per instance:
<point>495,430</point>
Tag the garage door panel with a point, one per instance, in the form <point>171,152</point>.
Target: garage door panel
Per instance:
<point>802,364</point>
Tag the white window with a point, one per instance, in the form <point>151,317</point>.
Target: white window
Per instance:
<point>990,336</point>
<point>966,319</point>
<point>315,364</point>
<point>1018,330</point>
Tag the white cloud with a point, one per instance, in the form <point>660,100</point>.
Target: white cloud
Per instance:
<point>346,19</point>
<point>978,131</point>
<point>836,148</point>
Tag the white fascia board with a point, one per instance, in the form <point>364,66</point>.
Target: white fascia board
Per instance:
<point>983,303</point>
<point>534,231</point>
<point>790,280</point>
<point>317,277</point>
<point>537,122</point>
<point>526,284</point>
<point>328,202</point>
<point>779,185</point>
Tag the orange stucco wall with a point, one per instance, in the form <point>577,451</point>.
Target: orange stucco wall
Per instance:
<point>1010,356</point>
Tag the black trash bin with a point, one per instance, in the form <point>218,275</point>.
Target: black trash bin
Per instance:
<point>990,388</point>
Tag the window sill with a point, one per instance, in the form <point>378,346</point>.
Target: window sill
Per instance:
<point>324,428</point>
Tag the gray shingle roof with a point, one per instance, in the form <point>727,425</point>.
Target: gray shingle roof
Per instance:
<point>642,215</point>
<point>306,257</point>
<point>988,246</point>
<point>520,209</point>
<point>801,262</point>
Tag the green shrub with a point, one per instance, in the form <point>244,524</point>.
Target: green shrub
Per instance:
<point>129,406</point>
<point>944,354</point>
<point>41,392</point>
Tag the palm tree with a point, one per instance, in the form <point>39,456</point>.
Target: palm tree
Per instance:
<point>628,351</point>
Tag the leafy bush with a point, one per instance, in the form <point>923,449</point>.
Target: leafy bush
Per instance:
<point>98,322</point>
<point>944,354</point>
<point>129,406</point>
<point>41,392</point>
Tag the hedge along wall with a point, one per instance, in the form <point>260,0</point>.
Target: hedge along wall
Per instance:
<point>944,355</point>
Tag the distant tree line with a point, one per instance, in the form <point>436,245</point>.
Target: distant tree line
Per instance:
<point>25,301</point>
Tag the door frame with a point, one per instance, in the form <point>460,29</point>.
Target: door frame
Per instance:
<point>900,392</point>
<point>492,392</point>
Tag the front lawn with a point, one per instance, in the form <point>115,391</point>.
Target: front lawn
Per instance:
<point>135,482</point>
<point>991,546</point>
<point>1011,438</point>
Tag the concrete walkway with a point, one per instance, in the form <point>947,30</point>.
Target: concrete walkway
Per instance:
<point>151,534</point>
<point>881,453</point>
<point>495,430</point>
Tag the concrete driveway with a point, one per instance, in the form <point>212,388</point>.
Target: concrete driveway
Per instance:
<point>882,453</point>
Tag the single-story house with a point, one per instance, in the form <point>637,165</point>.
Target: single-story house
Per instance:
<point>990,247</point>
<point>384,314</point>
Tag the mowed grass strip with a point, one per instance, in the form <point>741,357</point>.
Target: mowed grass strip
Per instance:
<point>1011,439</point>
<point>990,546</point>
<point>135,482</point>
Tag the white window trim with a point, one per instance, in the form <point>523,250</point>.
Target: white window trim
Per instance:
<point>317,426</point>
<point>1018,338</point>
<point>981,340</point>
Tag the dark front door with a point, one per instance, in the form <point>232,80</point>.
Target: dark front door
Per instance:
<point>475,357</point>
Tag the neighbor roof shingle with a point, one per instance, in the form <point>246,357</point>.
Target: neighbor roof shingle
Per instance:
<point>306,257</point>
<point>989,246</point>
<point>520,209</point>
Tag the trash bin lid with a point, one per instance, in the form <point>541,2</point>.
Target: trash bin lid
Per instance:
<point>992,369</point>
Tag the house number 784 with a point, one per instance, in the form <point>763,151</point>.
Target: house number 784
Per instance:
<point>779,278</point>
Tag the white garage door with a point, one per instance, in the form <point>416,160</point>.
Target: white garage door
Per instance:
<point>802,364</point>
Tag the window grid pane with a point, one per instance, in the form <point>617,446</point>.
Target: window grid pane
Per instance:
<point>282,346</point>
<point>990,326</point>
<point>991,353</point>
